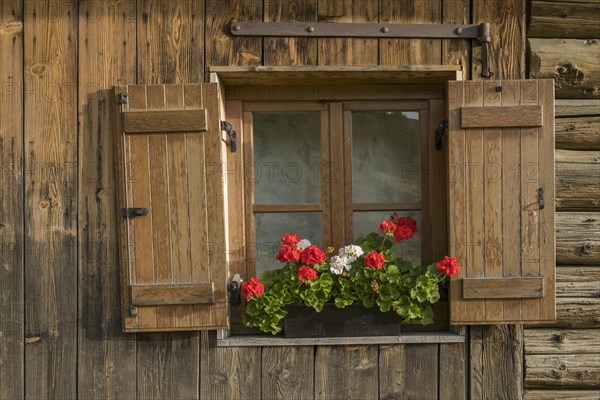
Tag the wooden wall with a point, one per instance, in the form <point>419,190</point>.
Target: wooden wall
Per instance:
<point>563,360</point>
<point>60,335</point>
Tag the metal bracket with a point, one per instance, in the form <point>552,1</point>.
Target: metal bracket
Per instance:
<point>234,288</point>
<point>485,39</point>
<point>228,128</point>
<point>132,310</point>
<point>122,98</point>
<point>133,212</point>
<point>541,198</point>
<point>439,134</point>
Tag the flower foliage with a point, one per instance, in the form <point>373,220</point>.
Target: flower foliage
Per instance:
<point>366,272</point>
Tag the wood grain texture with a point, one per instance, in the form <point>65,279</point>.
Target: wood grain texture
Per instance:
<point>561,394</point>
<point>577,238</point>
<point>408,371</point>
<point>562,341</point>
<point>288,372</point>
<point>50,199</point>
<point>577,371</point>
<point>153,295</point>
<point>348,51</point>
<point>346,372</point>
<point>576,107</point>
<point>507,49</point>
<point>106,356</point>
<point>500,117</point>
<point>290,51</point>
<point>452,371</point>
<point>502,288</point>
<point>572,63</point>
<point>229,373</point>
<point>578,133</point>
<point>457,51</point>
<point>496,360</point>
<point>564,19</point>
<point>577,281</point>
<point>410,51</point>
<point>165,121</point>
<point>12,364</point>
<point>577,173</point>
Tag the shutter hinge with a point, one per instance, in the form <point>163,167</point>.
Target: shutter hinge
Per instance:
<point>231,134</point>
<point>439,134</point>
<point>234,288</point>
<point>132,212</point>
<point>485,39</point>
<point>122,98</point>
<point>541,198</point>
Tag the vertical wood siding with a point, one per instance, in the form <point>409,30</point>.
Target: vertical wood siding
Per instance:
<point>58,216</point>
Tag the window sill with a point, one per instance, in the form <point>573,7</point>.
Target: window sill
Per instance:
<point>407,338</point>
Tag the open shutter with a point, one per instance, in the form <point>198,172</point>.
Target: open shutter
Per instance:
<point>501,201</point>
<point>173,242</point>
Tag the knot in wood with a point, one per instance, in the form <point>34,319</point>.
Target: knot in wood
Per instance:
<point>587,248</point>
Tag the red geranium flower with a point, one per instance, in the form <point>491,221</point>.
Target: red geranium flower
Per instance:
<point>288,253</point>
<point>251,288</point>
<point>405,227</point>
<point>307,273</point>
<point>387,227</point>
<point>374,259</point>
<point>291,239</point>
<point>448,266</point>
<point>312,255</point>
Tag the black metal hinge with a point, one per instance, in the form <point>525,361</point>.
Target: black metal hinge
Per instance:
<point>485,39</point>
<point>228,128</point>
<point>439,134</point>
<point>234,288</point>
<point>541,198</point>
<point>132,212</point>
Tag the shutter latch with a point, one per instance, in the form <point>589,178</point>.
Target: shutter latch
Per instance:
<point>134,212</point>
<point>439,134</point>
<point>228,128</point>
<point>122,98</point>
<point>235,290</point>
<point>541,198</point>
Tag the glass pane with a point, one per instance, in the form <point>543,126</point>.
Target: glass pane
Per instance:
<point>270,227</point>
<point>385,156</point>
<point>409,250</point>
<point>287,154</point>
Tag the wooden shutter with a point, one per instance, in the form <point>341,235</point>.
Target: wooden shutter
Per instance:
<point>501,153</point>
<point>169,161</point>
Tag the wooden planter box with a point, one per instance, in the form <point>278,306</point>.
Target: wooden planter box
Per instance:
<point>354,320</point>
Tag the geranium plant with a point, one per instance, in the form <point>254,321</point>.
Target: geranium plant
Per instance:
<point>366,272</point>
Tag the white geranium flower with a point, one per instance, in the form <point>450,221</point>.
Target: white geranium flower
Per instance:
<point>351,252</point>
<point>304,243</point>
<point>337,264</point>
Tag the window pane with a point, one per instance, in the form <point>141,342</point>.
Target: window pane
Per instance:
<point>385,156</point>
<point>270,227</point>
<point>287,154</point>
<point>409,250</point>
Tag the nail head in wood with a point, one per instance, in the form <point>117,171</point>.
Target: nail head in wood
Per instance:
<point>458,31</point>
<point>237,27</point>
<point>311,29</point>
<point>385,29</point>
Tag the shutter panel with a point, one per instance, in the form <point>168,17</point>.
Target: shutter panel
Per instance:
<point>169,160</point>
<point>501,152</point>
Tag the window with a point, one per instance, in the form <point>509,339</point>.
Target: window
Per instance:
<point>189,213</point>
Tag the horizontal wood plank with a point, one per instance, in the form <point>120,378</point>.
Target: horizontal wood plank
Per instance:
<point>501,117</point>
<point>154,295</point>
<point>164,121</point>
<point>503,288</point>
<point>577,174</point>
<point>580,371</point>
<point>561,395</point>
<point>562,341</point>
<point>564,19</point>
<point>576,107</point>
<point>575,133</point>
<point>577,238</point>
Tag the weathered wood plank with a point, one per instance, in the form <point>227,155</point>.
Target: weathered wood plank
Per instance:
<point>577,238</point>
<point>578,312</point>
<point>580,371</point>
<point>578,281</point>
<point>564,19</point>
<point>568,394</point>
<point>581,133</point>
<point>11,203</point>
<point>408,371</point>
<point>229,372</point>
<point>346,372</point>
<point>152,295</point>
<point>452,372</point>
<point>169,58</point>
<point>106,356</point>
<point>577,174</point>
<point>576,107</point>
<point>347,51</point>
<point>507,49</point>
<point>165,121</point>
<point>562,341</point>
<point>496,361</point>
<point>572,63</point>
<point>502,288</point>
<point>290,51</point>
<point>457,51</point>
<point>499,117</point>
<point>410,51</point>
<point>50,72</point>
<point>288,372</point>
